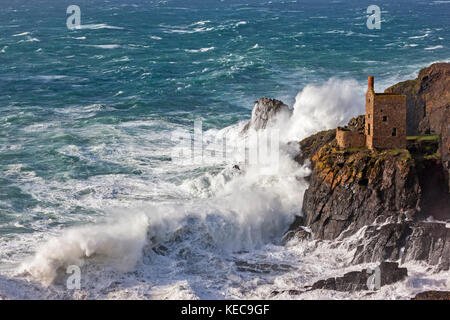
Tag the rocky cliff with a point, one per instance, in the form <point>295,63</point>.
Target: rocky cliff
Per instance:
<point>353,188</point>
<point>427,99</point>
<point>428,106</point>
<point>387,196</point>
<point>390,193</point>
<point>388,199</point>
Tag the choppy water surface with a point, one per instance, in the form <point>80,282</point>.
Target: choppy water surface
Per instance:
<point>86,118</point>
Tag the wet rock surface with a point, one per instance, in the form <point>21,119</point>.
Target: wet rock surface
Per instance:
<point>429,242</point>
<point>296,231</point>
<point>264,268</point>
<point>358,280</point>
<point>433,295</point>
<point>383,242</point>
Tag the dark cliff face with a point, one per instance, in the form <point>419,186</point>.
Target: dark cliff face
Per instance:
<point>389,193</point>
<point>427,99</point>
<point>353,188</point>
<point>444,147</point>
<point>385,197</point>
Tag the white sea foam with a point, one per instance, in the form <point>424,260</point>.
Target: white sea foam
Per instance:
<point>21,34</point>
<point>322,107</point>
<point>29,39</point>
<point>434,47</point>
<point>121,242</point>
<point>104,46</point>
<point>185,238</point>
<point>199,50</point>
<point>98,26</point>
<point>232,212</point>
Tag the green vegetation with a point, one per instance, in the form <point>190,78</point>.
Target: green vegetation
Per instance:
<point>434,156</point>
<point>426,137</point>
<point>356,149</point>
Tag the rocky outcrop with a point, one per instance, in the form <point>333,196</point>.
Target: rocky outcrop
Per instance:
<point>427,99</point>
<point>350,189</point>
<point>311,145</point>
<point>433,295</point>
<point>380,243</point>
<point>357,124</point>
<point>429,242</point>
<point>428,107</point>
<point>389,273</point>
<point>406,241</point>
<point>388,193</point>
<point>265,111</point>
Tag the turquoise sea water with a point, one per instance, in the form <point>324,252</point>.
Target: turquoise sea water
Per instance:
<point>86,115</point>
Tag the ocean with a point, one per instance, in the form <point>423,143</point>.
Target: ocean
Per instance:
<point>87,117</point>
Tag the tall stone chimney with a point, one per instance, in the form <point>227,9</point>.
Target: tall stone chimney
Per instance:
<point>371,81</point>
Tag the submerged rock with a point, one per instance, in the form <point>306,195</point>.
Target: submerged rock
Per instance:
<point>265,111</point>
<point>389,273</point>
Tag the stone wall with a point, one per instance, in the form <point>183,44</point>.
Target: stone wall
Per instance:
<point>348,139</point>
<point>388,122</point>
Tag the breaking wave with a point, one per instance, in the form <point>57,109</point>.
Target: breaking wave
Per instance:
<point>219,213</point>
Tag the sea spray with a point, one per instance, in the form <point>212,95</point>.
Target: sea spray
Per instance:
<point>120,241</point>
<point>228,211</point>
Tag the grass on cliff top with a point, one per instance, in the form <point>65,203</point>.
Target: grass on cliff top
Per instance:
<point>434,156</point>
<point>425,137</point>
<point>402,154</point>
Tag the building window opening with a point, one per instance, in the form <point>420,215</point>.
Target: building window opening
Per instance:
<point>394,132</point>
<point>384,118</point>
<point>368,129</point>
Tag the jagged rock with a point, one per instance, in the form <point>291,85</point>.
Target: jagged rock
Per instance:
<point>266,268</point>
<point>433,295</point>
<point>296,230</point>
<point>444,147</point>
<point>357,124</point>
<point>290,292</point>
<point>427,98</point>
<point>357,280</point>
<point>300,234</point>
<point>351,189</point>
<point>435,200</point>
<point>382,242</point>
<point>264,111</point>
<point>311,145</point>
<point>429,242</point>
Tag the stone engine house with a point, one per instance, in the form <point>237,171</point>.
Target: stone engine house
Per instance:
<point>385,123</point>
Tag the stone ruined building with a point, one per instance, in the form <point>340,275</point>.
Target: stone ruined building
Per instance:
<point>385,123</point>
